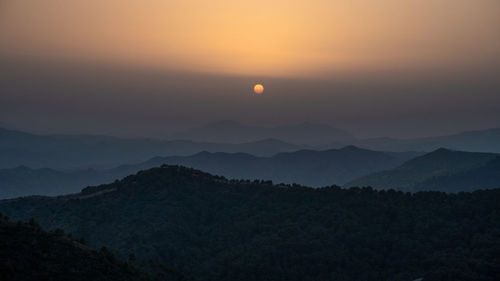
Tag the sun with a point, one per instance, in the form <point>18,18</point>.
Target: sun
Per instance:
<point>258,89</point>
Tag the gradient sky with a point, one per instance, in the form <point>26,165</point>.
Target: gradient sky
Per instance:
<point>145,68</point>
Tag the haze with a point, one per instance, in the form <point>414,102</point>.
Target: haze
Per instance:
<point>147,68</point>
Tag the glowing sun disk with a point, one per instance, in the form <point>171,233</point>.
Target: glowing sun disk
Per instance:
<point>258,89</point>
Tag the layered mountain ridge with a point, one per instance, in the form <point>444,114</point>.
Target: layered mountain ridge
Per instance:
<point>442,170</point>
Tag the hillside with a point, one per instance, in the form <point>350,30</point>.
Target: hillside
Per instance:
<point>442,170</point>
<point>216,229</point>
<point>29,253</point>
<point>313,168</point>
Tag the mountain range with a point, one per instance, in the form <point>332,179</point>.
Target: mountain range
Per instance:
<point>473,141</point>
<point>306,133</point>
<point>307,167</point>
<point>69,152</point>
<point>442,170</point>
<point>213,228</point>
<point>323,137</point>
<point>87,151</point>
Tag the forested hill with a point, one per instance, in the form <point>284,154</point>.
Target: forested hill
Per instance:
<point>215,229</point>
<point>28,253</point>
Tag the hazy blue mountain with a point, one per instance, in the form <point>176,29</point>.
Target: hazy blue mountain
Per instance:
<point>442,170</point>
<point>213,229</point>
<point>308,167</point>
<point>474,141</point>
<point>77,151</point>
<point>66,152</point>
<point>231,131</point>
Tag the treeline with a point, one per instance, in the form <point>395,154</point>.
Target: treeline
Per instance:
<point>214,229</point>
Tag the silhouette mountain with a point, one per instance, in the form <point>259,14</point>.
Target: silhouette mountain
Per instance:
<point>70,152</point>
<point>217,229</point>
<point>307,167</point>
<point>313,168</point>
<point>233,132</point>
<point>474,141</point>
<point>442,170</point>
<point>85,151</point>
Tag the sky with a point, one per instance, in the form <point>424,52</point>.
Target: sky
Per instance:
<point>147,68</point>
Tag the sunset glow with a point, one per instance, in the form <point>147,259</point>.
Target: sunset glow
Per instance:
<point>223,140</point>
<point>283,38</point>
<point>347,63</point>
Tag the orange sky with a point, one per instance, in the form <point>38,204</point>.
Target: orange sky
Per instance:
<point>259,37</point>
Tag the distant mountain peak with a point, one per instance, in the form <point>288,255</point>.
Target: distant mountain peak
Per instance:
<point>442,150</point>
<point>23,168</point>
<point>202,153</point>
<point>352,147</point>
<point>271,141</point>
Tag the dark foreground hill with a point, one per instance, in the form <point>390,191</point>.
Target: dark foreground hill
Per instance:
<point>441,170</point>
<point>215,229</point>
<point>31,254</point>
<point>308,167</point>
